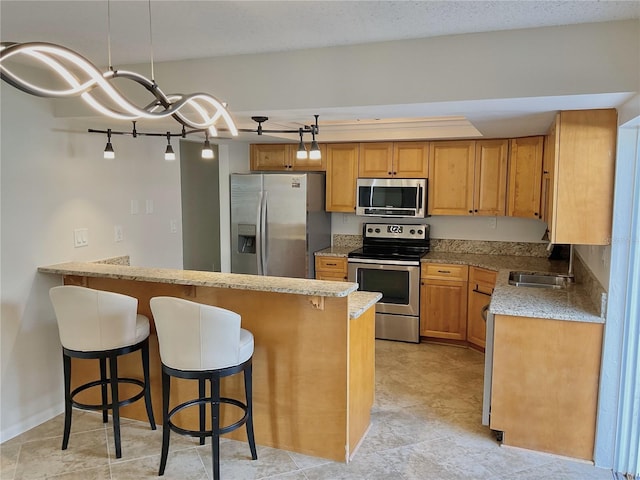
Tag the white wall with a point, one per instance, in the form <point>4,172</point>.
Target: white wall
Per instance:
<point>54,180</point>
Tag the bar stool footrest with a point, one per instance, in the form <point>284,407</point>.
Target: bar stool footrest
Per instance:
<point>208,401</point>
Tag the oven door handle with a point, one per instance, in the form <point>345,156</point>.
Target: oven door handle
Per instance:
<point>408,263</point>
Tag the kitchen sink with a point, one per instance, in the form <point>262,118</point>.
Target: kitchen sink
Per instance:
<point>540,280</point>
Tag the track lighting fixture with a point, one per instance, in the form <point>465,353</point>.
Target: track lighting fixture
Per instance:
<point>108,150</point>
<point>301,154</point>
<point>207,151</point>
<point>169,154</point>
<point>314,153</point>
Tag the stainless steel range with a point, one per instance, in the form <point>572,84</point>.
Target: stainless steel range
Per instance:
<point>389,262</point>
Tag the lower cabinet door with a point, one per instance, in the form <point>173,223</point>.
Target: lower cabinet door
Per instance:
<point>443,309</point>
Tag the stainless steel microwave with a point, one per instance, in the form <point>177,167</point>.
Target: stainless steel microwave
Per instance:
<point>391,197</point>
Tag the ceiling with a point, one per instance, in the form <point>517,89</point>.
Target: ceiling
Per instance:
<point>186,29</point>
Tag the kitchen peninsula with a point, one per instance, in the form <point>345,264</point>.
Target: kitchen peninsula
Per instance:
<point>313,380</point>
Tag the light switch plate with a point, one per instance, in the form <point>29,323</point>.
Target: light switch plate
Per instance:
<point>81,237</point>
<point>118,236</point>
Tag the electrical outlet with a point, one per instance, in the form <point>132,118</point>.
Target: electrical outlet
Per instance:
<point>173,226</point>
<point>135,208</point>
<point>492,222</point>
<point>81,237</point>
<point>149,207</point>
<point>117,233</point>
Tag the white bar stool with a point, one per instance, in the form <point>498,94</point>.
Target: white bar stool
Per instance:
<point>94,324</point>
<point>202,342</point>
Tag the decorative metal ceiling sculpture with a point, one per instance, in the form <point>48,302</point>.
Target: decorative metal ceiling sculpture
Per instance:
<point>81,78</point>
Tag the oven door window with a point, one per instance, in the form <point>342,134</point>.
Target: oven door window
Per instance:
<point>393,284</point>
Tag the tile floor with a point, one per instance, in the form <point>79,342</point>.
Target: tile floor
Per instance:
<point>426,424</point>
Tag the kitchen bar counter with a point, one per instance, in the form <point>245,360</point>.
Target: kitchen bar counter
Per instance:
<point>313,364</point>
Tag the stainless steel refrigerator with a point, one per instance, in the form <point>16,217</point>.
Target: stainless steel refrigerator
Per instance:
<point>277,222</point>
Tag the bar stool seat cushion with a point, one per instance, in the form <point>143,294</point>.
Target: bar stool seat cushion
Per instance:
<point>189,342</point>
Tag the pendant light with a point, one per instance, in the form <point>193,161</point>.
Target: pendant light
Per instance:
<point>109,154</point>
<point>301,154</point>
<point>314,153</point>
<point>207,151</point>
<point>169,154</point>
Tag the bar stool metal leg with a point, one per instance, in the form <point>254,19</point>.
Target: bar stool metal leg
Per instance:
<point>248,388</point>
<point>215,425</point>
<point>202,407</point>
<point>113,373</point>
<point>147,385</point>
<point>103,388</point>
<point>66,361</point>
<point>166,429</point>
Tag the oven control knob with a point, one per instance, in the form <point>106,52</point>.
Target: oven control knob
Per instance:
<point>412,231</point>
<point>369,230</point>
<point>377,230</point>
<point>419,232</point>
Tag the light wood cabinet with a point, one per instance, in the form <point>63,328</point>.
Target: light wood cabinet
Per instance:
<point>451,167</point>
<point>468,177</point>
<point>580,194</point>
<point>443,301</point>
<point>525,177</point>
<point>393,159</point>
<point>544,388</point>
<point>490,177</point>
<point>282,157</point>
<point>342,173</point>
<point>481,284</point>
<point>548,162</point>
<point>331,268</point>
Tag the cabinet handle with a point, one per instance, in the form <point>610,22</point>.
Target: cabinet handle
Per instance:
<point>476,210</point>
<point>332,264</point>
<point>444,271</point>
<point>470,211</point>
<point>389,173</point>
<point>535,214</point>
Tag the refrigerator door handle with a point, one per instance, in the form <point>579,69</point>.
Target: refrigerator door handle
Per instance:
<point>259,231</point>
<point>262,270</point>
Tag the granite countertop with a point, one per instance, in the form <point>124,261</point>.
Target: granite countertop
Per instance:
<point>360,301</point>
<point>572,303</point>
<point>334,251</point>
<point>298,286</point>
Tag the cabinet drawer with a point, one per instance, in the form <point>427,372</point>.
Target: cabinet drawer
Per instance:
<point>444,271</point>
<point>482,275</point>
<point>331,264</point>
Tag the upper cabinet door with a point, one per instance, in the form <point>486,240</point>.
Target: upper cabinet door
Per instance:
<point>451,166</point>
<point>411,159</point>
<point>342,172</point>
<point>376,160</point>
<point>584,177</point>
<point>270,156</point>
<point>525,177</point>
<point>490,177</point>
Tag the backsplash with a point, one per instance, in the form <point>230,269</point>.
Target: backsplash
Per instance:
<point>592,286</point>
<point>340,240</point>
<point>480,247</point>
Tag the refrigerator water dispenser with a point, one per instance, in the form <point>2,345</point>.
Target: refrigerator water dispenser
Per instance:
<point>246,238</point>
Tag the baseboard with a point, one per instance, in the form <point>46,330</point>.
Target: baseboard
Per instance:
<point>31,422</point>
